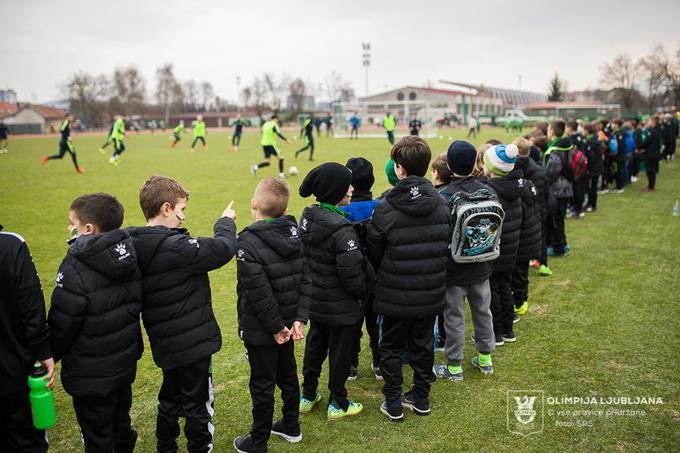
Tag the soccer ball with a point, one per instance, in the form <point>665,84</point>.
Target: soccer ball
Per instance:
<point>293,171</point>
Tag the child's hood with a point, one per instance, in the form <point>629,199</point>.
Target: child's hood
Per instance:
<point>148,239</point>
<point>414,196</point>
<point>510,186</point>
<point>112,254</point>
<point>317,224</point>
<point>282,234</point>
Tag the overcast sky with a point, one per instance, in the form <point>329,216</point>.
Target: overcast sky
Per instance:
<point>489,42</point>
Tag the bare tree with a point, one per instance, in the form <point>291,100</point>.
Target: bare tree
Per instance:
<point>246,95</point>
<point>168,89</point>
<point>87,96</point>
<point>208,94</point>
<point>620,75</point>
<point>655,67</point>
<point>190,89</point>
<point>130,90</point>
<point>297,92</point>
<point>334,85</point>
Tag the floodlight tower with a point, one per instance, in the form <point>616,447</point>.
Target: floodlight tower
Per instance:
<point>366,62</point>
<point>238,92</point>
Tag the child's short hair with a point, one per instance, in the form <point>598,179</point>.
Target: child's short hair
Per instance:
<point>590,128</point>
<point>542,126</point>
<point>413,153</point>
<point>158,190</point>
<point>618,122</point>
<point>272,196</point>
<point>523,145</point>
<point>441,165</point>
<point>573,125</point>
<point>558,127</point>
<point>541,142</point>
<point>100,209</point>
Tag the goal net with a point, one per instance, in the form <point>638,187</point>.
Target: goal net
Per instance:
<point>372,114</point>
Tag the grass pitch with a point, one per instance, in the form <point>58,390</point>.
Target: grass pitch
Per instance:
<point>604,325</point>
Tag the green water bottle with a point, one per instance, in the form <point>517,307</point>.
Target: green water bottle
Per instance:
<point>42,399</point>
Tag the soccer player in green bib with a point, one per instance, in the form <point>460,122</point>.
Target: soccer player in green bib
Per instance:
<point>270,130</point>
<point>177,134</point>
<point>199,133</point>
<point>117,135</point>
<point>389,123</point>
<point>307,131</point>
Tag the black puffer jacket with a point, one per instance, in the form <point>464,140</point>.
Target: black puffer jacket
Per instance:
<point>94,315</point>
<point>408,242</point>
<point>458,274</point>
<point>24,336</point>
<point>530,236</point>
<point>271,291</point>
<point>334,260</point>
<point>177,304</point>
<point>652,143</point>
<point>538,176</point>
<point>509,193</point>
<point>593,151</point>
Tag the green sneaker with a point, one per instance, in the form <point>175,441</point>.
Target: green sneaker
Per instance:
<point>522,308</point>
<point>545,270</point>
<point>336,413</point>
<point>307,405</point>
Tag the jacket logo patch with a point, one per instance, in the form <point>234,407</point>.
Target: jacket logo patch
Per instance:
<point>303,224</point>
<point>351,245</point>
<point>60,277</point>
<point>194,242</point>
<point>533,190</point>
<point>121,250</point>
<point>294,232</point>
<point>240,254</point>
<point>415,193</point>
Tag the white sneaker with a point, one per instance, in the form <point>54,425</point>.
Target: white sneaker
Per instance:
<point>617,191</point>
<point>633,179</point>
<point>254,169</point>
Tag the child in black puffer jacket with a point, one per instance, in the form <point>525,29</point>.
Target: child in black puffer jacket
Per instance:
<point>335,263</point>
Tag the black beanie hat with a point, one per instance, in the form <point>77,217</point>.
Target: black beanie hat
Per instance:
<point>461,157</point>
<point>328,183</point>
<point>362,173</point>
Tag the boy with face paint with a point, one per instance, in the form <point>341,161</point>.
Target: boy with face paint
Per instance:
<point>94,322</point>
<point>177,308</point>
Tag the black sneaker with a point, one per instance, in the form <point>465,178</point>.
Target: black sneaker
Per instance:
<point>244,444</point>
<point>509,337</point>
<point>377,372</point>
<point>292,435</point>
<point>353,373</point>
<point>394,412</point>
<point>515,319</point>
<point>419,406</point>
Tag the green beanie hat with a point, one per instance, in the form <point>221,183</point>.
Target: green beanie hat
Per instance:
<point>391,174</point>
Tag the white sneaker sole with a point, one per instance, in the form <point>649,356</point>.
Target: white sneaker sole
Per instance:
<point>391,417</point>
<point>351,378</point>
<point>291,439</point>
<point>414,409</point>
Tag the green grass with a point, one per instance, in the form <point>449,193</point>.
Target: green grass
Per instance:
<point>605,324</point>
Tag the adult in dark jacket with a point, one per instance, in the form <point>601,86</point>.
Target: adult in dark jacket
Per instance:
<point>651,146</point>
<point>272,300</point>
<point>94,322</point>
<point>177,308</point>
<point>24,339</point>
<point>669,135</point>
<point>335,263</point>
<point>408,240</point>
<point>508,184</point>
<point>593,152</point>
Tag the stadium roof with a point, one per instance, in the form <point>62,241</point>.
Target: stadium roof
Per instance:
<point>565,105</point>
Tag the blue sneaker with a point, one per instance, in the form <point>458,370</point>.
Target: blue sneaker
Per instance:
<point>485,369</point>
<point>550,251</point>
<point>443,372</point>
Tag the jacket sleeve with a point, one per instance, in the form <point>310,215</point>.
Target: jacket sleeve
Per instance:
<point>67,311</point>
<point>375,239</point>
<point>31,304</point>
<point>554,167</point>
<point>305,299</point>
<point>207,254</point>
<point>349,262</point>
<point>257,291</point>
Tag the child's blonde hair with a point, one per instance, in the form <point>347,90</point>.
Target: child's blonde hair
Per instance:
<point>479,169</point>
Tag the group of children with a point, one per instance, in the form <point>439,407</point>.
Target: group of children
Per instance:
<point>398,262</point>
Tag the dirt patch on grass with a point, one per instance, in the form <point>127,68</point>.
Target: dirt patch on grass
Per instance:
<point>564,283</point>
<point>537,309</point>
